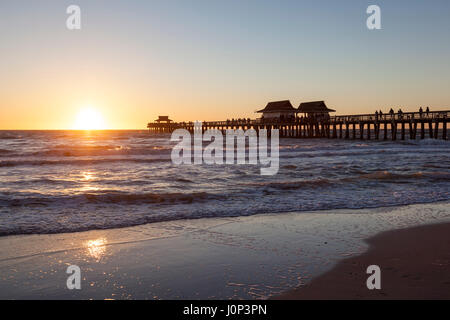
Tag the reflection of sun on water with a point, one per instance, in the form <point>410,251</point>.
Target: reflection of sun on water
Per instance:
<point>87,175</point>
<point>96,248</point>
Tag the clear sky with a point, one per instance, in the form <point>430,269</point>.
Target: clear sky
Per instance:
<point>212,60</point>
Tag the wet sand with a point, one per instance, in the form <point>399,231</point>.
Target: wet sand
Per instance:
<point>253,257</point>
<point>414,262</point>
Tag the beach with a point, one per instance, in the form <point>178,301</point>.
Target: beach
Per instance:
<point>140,227</point>
<point>414,264</point>
<point>256,257</point>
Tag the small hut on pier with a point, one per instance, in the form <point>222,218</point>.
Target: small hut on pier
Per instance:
<point>163,119</point>
<point>281,110</point>
<point>314,109</point>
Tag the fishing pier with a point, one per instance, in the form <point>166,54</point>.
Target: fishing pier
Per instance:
<point>317,123</point>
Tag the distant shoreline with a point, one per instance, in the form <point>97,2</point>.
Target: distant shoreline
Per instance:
<point>414,263</point>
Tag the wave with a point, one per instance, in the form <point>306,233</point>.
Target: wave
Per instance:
<point>130,198</point>
<point>77,162</point>
<point>323,182</point>
<point>386,175</point>
<point>355,153</point>
<point>80,151</point>
<point>119,217</point>
<point>293,185</point>
<point>109,197</point>
<point>9,136</point>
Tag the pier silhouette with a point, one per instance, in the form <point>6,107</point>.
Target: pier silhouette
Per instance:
<point>378,126</point>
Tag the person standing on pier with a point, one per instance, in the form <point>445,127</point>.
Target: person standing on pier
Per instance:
<point>391,112</point>
<point>420,112</point>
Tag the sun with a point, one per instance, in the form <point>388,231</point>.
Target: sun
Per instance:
<point>89,119</point>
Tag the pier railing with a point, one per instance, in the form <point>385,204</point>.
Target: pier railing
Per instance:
<point>431,115</point>
<point>424,116</point>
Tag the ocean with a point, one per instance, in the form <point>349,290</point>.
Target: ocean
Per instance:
<point>69,181</point>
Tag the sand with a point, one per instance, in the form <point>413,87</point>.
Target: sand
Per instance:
<point>254,257</point>
<point>414,264</point>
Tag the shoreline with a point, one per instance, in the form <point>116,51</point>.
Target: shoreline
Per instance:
<point>414,264</point>
<point>254,257</point>
<point>187,220</point>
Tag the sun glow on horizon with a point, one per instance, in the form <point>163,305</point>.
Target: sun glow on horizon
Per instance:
<point>89,119</point>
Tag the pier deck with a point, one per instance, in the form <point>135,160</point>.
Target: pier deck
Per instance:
<point>406,125</point>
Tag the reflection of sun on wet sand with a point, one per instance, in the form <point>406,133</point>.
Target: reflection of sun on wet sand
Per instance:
<point>414,262</point>
<point>96,248</point>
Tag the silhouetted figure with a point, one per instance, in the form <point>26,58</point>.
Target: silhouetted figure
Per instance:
<point>420,112</point>
<point>428,110</point>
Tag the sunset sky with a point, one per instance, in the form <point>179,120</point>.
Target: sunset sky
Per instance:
<point>213,60</point>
